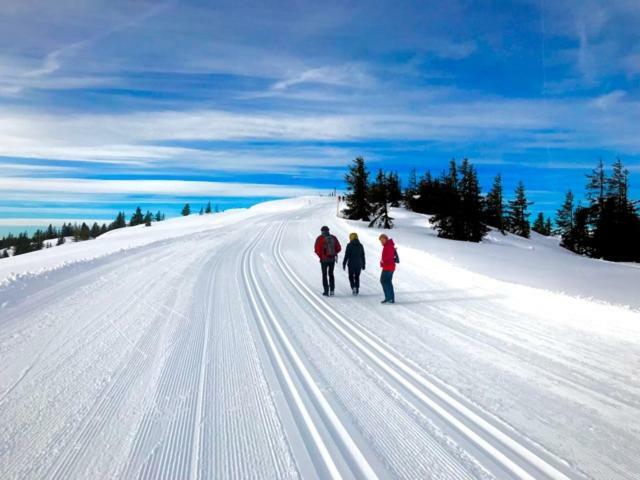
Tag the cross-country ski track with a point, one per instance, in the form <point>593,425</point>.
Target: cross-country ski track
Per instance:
<point>213,355</point>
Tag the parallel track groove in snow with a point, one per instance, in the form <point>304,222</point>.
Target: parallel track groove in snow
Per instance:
<point>356,460</point>
<point>520,462</point>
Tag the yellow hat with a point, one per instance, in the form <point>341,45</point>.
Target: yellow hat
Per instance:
<point>353,236</point>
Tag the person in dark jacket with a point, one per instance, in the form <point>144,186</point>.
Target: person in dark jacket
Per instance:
<point>327,249</point>
<point>388,265</point>
<point>354,259</point>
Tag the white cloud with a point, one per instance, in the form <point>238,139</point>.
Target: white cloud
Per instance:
<point>173,188</point>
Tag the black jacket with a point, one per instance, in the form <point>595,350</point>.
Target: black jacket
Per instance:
<point>354,255</point>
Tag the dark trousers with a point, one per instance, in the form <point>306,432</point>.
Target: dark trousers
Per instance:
<point>354,277</point>
<point>327,271</point>
<point>386,279</point>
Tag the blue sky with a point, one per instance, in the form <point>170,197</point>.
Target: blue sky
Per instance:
<point>105,105</point>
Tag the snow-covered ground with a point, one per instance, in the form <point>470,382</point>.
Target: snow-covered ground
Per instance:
<point>199,347</point>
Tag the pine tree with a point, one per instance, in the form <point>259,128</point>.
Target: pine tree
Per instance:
<point>37,240</point>
<point>22,245</point>
<point>394,189</point>
<point>517,213</point>
<point>103,228</point>
<point>446,220</point>
<point>159,217</point>
<point>85,232</point>
<point>51,232</point>
<point>148,218</point>
<point>539,225</point>
<point>565,222</point>
<point>137,218</point>
<point>357,199</point>
<point>615,236</point>
<point>208,209</point>
<point>411,191</point>
<point>186,210</point>
<point>201,211</point>
<point>95,230</point>
<point>119,222</point>
<point>494,206</point>
<point>548,227</point>
<point>379,201</point>
<point>60,241</point>
<point>580,236</point>
<point>596,187</point>
<point>5,253</point>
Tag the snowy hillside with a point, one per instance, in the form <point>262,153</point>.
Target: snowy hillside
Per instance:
<point>201,348</point>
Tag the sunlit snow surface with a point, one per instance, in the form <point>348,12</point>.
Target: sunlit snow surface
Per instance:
<point>199,347</point>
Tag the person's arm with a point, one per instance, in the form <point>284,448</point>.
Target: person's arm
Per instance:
<point>347,254</point>
<point>364,263</point>
<point>318,247</point>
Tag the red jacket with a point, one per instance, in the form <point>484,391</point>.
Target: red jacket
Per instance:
<point>388,261</point>
<point>321,251</point>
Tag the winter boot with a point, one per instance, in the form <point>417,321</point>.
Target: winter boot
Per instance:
<point>331,293</point>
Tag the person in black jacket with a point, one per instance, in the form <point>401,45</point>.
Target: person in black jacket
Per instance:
<point>354,259</point>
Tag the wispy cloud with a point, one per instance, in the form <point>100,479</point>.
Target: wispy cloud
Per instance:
<point>174,188</point>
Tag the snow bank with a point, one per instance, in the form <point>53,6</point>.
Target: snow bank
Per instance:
<point>50,259</point>
<point>536,262</point>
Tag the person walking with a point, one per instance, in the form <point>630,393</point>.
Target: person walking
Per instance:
<point>354,259</point>
<point>327,249</point>
<point>388,265</point>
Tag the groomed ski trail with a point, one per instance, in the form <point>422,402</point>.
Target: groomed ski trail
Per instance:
<point>212,355</point>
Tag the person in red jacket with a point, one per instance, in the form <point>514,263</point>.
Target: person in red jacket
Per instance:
<point>327,249</point>
<point>388,265</point>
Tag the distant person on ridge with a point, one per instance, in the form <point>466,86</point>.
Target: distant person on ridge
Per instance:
<point>327,248</point>
<point>388,265</point>
<point>354,259</point>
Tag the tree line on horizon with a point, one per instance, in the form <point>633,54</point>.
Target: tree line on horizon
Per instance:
<point>25,243</point>
<point>608,227</point>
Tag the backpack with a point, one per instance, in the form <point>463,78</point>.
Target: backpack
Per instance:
<point>396,258</point>
<point>329,247</point>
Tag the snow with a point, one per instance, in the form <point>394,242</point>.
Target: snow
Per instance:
<point>199,347</point>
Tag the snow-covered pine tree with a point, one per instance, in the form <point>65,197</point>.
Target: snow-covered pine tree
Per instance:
<point>357,179</point>
<point>494,205</point>
<point>186,210</point>
<point>379,201</point>
<point>518,214</point>
<point>208,209</point>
